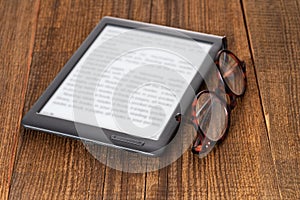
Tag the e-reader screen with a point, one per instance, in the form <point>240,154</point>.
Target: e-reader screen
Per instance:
<point>128,80</point>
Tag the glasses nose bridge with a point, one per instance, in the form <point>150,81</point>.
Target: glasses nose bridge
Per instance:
<point>232,103</point>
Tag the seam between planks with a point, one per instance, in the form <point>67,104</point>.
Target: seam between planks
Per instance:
<point>266,121</point>
<point>145,182</point>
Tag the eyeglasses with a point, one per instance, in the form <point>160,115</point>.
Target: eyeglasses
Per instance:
<point>210,114</point>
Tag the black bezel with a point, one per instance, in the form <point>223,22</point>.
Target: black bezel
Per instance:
<point>36,121</point>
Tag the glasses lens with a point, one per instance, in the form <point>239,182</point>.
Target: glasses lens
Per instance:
<point>232,72</point>
<point>212,116</point>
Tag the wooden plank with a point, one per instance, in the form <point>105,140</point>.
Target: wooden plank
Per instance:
<point>18,24</point>
<point>62,167</point>
<point>118,184</point>
<point>156,181</point>
<point>51,167</point>
<point>242,167</point>
<point>274,38</point>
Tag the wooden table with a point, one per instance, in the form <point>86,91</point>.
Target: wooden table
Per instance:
<point>260,158</point>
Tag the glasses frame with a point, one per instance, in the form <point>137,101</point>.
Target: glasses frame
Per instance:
<point>202,145</point>
<point>228,91</point>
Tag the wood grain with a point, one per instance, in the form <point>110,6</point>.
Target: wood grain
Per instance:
<point>274,38</point>
<point>71,167</point>
<point>79,175</point>
<point>16,46</point>
<point>258,160</point>
<point>118,184</point>
<point>231,171</point>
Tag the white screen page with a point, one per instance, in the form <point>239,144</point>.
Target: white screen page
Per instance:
<point>129,80</point>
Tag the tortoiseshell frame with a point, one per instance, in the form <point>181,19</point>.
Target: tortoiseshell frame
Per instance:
<point>203,145</point>
<point>229,92</point>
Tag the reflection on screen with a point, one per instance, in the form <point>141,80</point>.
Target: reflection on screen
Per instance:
<point>128,81</point>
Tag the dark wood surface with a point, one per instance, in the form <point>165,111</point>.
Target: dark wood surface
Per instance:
<point>260,159</point>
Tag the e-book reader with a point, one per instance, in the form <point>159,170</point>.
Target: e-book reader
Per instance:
<point>124,85</point>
